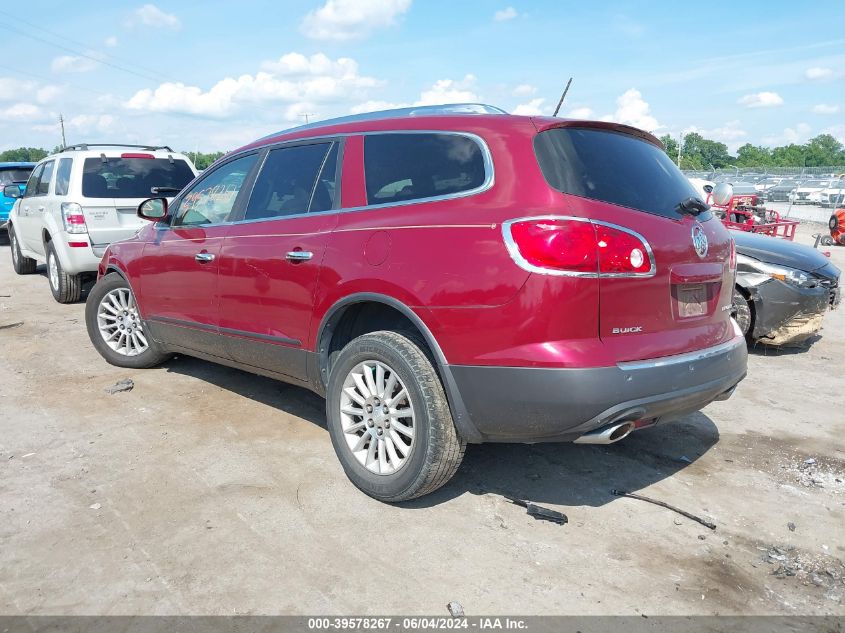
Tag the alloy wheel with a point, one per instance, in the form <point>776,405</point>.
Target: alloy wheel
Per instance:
<point>120,324</point>
<point>53,270</point>
<point>377,417</point>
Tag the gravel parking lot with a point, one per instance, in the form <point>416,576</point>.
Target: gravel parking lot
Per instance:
<point>206,490</point>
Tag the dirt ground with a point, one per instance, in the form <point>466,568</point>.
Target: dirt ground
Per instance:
<point>207,490</point>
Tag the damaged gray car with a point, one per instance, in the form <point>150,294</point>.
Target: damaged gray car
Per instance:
<point>783,289</point>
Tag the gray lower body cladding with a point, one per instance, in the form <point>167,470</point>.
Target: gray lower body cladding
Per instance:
<point>523,404</point>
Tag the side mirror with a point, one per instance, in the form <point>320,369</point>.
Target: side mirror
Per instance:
<point>153,209</point>
<point>722,194</point>
<point>12,191</point>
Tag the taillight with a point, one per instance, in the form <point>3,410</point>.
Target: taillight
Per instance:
<point>556,245</point>
<point>73,218</point>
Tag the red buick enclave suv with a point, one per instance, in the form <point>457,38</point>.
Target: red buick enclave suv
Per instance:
<point>441,275</point>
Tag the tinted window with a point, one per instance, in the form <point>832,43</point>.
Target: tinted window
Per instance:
<point>116,177</point>
<point>17,174</point>
<point>211,200</point>
<point>46,176</point>
<point>32,183</point>
<point>326,190</point>
<point>402,167</point>
<point>287,181</point>
<point>612,167</point>
<point>63,176</point>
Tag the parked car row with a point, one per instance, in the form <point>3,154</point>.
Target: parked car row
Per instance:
<point>826,192</point>
<point>441,275</point>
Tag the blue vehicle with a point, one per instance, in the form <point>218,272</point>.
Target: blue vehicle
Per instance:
<point>12,174</point>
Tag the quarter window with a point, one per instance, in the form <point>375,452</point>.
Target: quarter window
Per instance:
<point>63,176</point>
<point>403,167</point>
<point>212,198</point>
<point>289,185</point>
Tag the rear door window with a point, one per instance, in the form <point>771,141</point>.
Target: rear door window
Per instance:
<point>612,167</point>
<point>32,183</point>
<point>63,176</point>
<point>416,166</point>
<point>288,182</point>
<point>119,177</point>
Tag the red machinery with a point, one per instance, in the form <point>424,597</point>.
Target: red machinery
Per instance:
<point>742,213</point>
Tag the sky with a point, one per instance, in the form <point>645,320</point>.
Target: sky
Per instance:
<point>213,75</point>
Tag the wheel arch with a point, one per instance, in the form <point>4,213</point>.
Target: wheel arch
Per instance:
<point>341,320</point>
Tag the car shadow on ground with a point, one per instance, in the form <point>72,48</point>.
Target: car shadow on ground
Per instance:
<point>555,473</point>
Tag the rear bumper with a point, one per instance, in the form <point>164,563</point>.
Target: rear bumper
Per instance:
<point>523,404</point>
<point>787,314</point>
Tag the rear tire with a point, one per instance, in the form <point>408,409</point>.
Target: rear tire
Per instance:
<point>111,310</point>
<point>65,288</point>
<point>20,263</point>
<point>405,446</point>
<point>833,223</point>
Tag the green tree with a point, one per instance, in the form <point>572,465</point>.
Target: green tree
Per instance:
<point>791,155</point>
<point>670,145</point>
<point>824,150</point>
<point>23,155</point>
<point>753,156</point>
<point>201,160</point>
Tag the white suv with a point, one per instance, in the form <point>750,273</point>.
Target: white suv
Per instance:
<point>82,199</point>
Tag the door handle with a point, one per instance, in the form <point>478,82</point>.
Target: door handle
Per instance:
<point>299,256</point>
<point>204,258</point>
<point>41,209</point>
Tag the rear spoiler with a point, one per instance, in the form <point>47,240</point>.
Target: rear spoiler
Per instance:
<point>548,123</point>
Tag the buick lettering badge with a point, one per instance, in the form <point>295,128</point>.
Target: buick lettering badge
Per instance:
<point>699,241</point>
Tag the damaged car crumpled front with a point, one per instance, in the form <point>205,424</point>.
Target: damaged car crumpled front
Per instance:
<point>783,289</point>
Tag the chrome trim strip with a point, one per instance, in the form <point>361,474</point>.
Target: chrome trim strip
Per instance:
<point>688,357</point>
<point>513,249</point>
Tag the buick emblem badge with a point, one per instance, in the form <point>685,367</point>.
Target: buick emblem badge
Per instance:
<point>699,241</point>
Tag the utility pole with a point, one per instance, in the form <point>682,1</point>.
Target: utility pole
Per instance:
<point>62,123</point>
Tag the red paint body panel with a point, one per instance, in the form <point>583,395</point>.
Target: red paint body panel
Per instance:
<point>446,260</point>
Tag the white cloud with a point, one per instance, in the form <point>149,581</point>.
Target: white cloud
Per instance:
<point>11,89</point>
<point>505,14</point>
<point>524,90</point>
<point>837,131</point>
<point>73,64</point>
<point>731,134</point>
<point>798,134</point>
<point>632,109</point>
<point>449,91</point>
<point>352,19</point>
<point>111,41</point>
<point>532,108</point>
<point>46,94</point>
<point>824,108</point>
<point>21,112</point>
<point>761,100</point>
<point>91,122</point>
<point>580,113</point>
<point>293,78</point>
<point>817,72</point>
<point>151,15</point>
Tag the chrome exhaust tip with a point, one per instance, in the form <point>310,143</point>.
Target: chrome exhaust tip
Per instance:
<point>608,434</point>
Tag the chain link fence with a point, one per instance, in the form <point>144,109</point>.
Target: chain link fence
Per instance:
<point>795,172</point>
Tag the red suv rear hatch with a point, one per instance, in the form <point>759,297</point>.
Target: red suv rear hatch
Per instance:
<point>677,299</point>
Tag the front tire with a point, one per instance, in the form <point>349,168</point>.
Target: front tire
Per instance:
<point>65,288</point>
<point>389,419</point>
<point>22,264</point>
<point>743,314</point>
<point>115,326</point>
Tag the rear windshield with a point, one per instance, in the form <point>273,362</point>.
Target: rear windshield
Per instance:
<point>133,177</point>
<point>612,167</point>
<point>11,176</point>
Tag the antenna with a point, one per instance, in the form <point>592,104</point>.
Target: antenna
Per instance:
<point>306,115</point>
<point>562,97</point>
<point>62,123</point>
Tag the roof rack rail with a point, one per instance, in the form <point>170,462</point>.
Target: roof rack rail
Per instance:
<point>430,110</point>
<point>81,147</point>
